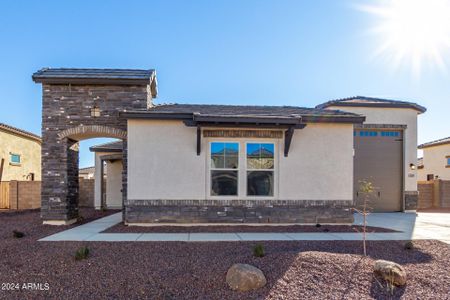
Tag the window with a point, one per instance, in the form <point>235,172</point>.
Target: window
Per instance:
<point>260,166</point>
<point>390,133</point>
<point>224,168</point>
<point>15,158</point>
<point>430,177</point>
<point>448,161</point>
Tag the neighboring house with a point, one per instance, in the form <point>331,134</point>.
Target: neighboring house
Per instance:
<point>436,160</point>
<point>20,154</point>
<point>108,192</point>
<point>187,163</point>
<point>86,173</point>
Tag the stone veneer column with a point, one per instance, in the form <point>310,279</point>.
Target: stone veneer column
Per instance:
<point>66,119</point>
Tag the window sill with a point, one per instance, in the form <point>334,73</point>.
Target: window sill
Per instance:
<point>15,164</point>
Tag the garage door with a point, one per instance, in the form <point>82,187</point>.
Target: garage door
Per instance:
<point>378,159</point>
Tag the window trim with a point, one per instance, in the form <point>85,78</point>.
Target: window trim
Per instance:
<point>448,161</point>
<point>242,170</point>
<point>11,154</point>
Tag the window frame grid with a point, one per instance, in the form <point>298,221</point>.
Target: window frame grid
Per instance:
<point>211,168</point>
<point>246,170</point>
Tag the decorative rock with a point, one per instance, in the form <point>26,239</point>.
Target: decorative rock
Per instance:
<point>390,271</point>
<point>243,277</point>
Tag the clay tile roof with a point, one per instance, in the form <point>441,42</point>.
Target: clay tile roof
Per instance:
<point>20,132</point>
<point>435,143</point>
<point>362,101</point>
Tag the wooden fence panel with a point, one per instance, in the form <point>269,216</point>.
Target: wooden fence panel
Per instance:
<point>4,195</point>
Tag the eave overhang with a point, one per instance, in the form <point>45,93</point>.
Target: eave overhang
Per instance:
<point>287,122</point>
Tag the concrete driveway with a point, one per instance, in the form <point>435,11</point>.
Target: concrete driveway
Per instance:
<point>422,225</point>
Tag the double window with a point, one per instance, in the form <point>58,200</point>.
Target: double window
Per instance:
<point>251,168</point>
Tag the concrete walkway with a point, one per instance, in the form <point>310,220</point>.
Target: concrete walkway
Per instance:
<point>411,226</point>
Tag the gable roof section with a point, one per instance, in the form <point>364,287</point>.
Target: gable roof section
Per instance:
<point>20,132</point>
<point>362,101</point>
<point>97,76</point>
<point>235,113</point>
<point>439,142</point>
<point>108,147</point>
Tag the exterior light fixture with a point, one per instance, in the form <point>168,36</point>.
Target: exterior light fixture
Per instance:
<point>95,111</point>
<point>412,166</point>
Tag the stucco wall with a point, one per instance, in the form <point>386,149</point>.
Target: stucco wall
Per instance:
<point>163,164</point>
<point>113,182</point>
<point>435,162</point>
<point>30,157</point>
<point>320,163</point>
<point>396,116</point>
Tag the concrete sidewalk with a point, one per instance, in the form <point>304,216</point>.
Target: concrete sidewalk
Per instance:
<point>410,226</point>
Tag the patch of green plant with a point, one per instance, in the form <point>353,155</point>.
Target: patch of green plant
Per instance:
<point>82,253</point>
<point>258,250</point>
<point>409,245</point>
<point>18,234</point>
<point>318,225</point>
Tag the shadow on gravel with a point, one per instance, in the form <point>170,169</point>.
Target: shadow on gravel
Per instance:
<point>379,290</point>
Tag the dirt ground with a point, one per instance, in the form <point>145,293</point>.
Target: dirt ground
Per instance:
<point>196,270</point>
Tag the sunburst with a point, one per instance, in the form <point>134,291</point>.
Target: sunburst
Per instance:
<point>412,32</point>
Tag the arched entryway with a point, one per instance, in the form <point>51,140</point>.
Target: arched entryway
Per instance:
<point>79,104</point>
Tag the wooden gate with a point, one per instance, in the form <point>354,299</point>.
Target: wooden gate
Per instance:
<point>4,195</point>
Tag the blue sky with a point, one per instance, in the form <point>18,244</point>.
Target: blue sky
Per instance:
<point>230,52</point>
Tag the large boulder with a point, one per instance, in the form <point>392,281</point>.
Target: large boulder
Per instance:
<point>390,271</point>
<point>243,277</point>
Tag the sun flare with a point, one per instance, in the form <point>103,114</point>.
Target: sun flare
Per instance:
<point>412,32</point>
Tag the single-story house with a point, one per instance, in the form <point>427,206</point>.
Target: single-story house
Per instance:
<point>435,163</point>
<point>188,163</point>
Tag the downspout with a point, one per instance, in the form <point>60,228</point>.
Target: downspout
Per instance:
<point>2,162</point>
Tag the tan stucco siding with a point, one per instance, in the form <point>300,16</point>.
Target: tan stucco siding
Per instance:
<point>163,163</point>
<point>435,162</point>
<point>319,165</point>
<point>113,182</point>
<point>396,116</point>
<point>30,157</point>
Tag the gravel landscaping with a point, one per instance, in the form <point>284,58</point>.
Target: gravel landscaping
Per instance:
<point>121,228</point>
<point>194,270</point>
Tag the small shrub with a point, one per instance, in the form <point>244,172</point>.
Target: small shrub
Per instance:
<point>318,225</point>
<point>409,245</point>
<point>80,218</point>
<point>82,253</point>
<point>18,234</point>
<point>258,251</point>
<point>326,230</point>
